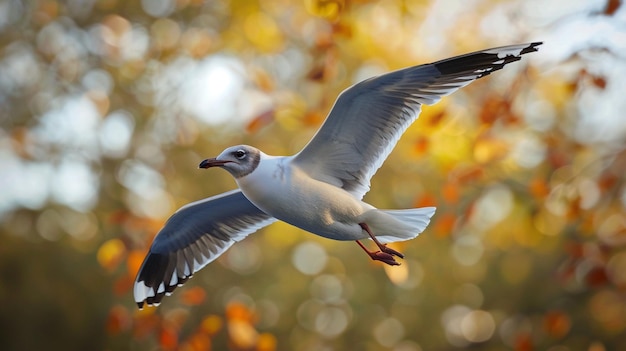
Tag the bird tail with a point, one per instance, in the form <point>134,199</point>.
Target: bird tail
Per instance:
<point>398,225</point>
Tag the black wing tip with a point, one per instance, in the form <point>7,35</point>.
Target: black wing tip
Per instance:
<point>154,301</point>
<point>532,47</point>
<point>485,62</point>
<point>156,272</point>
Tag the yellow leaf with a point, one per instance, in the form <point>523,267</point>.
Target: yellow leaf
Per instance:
<point>266,342</point>
<point>329,9</point>
<point>242,334</point>
<point>212,324</point>
<point>262,31</point>
<point>111,253</point>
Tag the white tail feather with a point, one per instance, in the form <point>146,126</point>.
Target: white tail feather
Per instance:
<point>398,225</point>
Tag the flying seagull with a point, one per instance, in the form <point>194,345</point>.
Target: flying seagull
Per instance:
<point>320,188</point>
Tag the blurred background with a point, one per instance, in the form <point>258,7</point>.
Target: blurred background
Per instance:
<point>107,107</point>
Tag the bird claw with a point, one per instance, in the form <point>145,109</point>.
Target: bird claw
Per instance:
<point>384,257</point>
<point>391,251</point>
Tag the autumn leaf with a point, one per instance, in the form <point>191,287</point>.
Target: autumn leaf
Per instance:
<point>168,338</point>
<point>612,6</point>
<point>211,324</point>
<point>444,224</point>
<point>259,121</point>
<point>557,324</point>
<point>451,192</point>
<point>421,145</point>
<point>111,253</point>
<point>425,200</point>
<point>329,9</point>
<point>539,188</point>
<point>193,296</point>
<point>119,320</point>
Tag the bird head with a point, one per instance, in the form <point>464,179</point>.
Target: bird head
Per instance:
<point>238,160</point>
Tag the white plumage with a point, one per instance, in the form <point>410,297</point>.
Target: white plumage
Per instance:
<point>320,189</point>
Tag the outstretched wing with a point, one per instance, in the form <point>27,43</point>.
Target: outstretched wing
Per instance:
<point>195,235</point>
<point>368,119</point>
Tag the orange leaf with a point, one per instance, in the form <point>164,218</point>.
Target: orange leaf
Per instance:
<point>469,210</point>
<point>342,29</point>
<point>134,261</point>
<point>239,311</point>
<point>316,73</point>
<point>421,145</point>
<point>260,121</point>
<point>469,175</point>
<point>118,320</point>
<point>193,296</point>
<point>492,109</point>
<point>576,250</point>
<point>557,159</point>
<point>198,342</point>
<point>266,342</point>
<point>524,342</point>
<point>324,41</point>
<point>539,188</point>
<point>557,324</point>
<point>118,217</point>
<point>263,80</point>
<point>598,81</point>
<point>146,322</point>
<point>607,181</point>
<point>427,200</point>
<point>445,224</point>
<point>436,118</point>
<point>20,137</point>
<point>123,285</point>
<point>313,118</point>
<point>168,338</point>
<point>451,192</point>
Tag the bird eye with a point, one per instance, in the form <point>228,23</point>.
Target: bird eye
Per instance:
<point>240,154</point>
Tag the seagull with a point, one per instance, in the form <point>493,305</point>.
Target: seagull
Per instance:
<point>319,189</point>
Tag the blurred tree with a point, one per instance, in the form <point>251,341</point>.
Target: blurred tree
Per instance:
<point>107,106</point>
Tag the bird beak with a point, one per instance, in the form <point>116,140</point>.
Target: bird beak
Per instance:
<point>212,162</point>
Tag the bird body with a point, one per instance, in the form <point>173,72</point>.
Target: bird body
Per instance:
<point>320,189</point>
<point>288,193</point>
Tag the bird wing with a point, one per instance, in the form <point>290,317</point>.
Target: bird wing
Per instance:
<point>368,118</point>
<point>195,235</point>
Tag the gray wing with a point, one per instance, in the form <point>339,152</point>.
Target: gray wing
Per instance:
<point>195,235</point>
<point>368,119</point>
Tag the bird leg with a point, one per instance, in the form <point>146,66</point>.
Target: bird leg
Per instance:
<point>385,254</point>
<point>380,245</point>
<point>379,256</point>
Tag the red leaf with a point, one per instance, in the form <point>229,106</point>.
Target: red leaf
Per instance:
<point>168,339</point>
<point>557,324</point>
<point>612,6</point>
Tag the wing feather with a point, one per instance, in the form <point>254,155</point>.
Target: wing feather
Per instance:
<point>368,119</point>
<point>194,236</point>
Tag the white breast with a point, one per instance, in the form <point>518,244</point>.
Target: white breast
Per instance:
<point>287,193</point>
